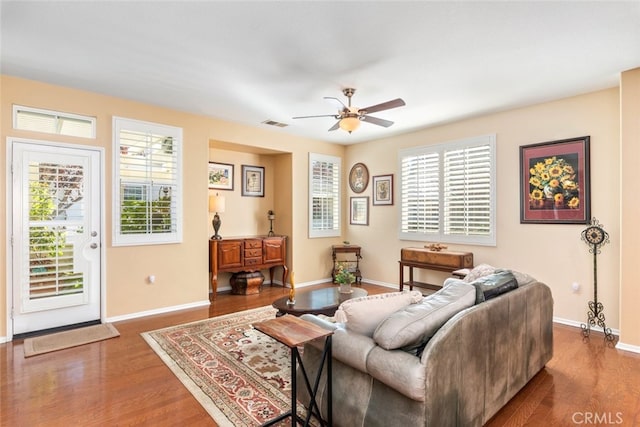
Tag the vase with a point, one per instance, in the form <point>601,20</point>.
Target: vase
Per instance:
<point>345,288</point>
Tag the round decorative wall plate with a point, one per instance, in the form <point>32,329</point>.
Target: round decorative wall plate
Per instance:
<point>358,178</point>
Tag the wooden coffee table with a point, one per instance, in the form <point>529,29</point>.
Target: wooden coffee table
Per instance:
<point>319,301</point>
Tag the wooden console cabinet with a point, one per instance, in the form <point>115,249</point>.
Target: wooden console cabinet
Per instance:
<point>247,254</point>
<point>448,261</point>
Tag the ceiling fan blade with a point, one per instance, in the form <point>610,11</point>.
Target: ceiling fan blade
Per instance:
<point>311,117</point>
<point>377,121</point>
<point>335,127</point>
<point>337,100</point>
<point>384,106</point>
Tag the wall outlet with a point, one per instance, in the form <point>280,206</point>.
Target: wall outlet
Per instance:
<point>575,286</point>
<point>151,278</point>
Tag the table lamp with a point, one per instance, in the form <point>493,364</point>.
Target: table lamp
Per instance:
<point>216,204</point>
<point>271,216</point>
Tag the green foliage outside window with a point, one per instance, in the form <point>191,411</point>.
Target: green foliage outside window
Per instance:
<point>45,243</point>
<point>136,218</point>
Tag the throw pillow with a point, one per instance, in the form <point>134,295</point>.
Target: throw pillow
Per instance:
<point>522,278</point>
<point>491,286</point>
<point>362,315</point>
<point>411,327</point>
<point>479,271</point>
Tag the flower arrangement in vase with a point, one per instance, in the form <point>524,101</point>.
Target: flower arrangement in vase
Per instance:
<point>345,278</point>
<point>553,184</point>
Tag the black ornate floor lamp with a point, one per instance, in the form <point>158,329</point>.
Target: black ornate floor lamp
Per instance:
<point>595,237</point>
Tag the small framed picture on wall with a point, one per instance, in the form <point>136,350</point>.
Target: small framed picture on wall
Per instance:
<point>220,176</point>
<point>359,212</point>
<point>252,181</point>
<point>383,190</point>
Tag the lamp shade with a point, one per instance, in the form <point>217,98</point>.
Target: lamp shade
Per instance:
<point>349,124</point>
<point>216,203</point>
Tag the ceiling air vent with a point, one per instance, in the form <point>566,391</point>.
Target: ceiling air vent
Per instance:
<point>274,123</point>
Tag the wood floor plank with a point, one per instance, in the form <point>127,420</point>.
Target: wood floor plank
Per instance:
<point>123,382</point>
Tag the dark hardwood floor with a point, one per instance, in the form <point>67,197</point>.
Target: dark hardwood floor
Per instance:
<point>121,382</point>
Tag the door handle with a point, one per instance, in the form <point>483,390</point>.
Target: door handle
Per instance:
<point>93,246</point>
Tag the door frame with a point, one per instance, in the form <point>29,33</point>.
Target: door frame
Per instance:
<point>9,222</point>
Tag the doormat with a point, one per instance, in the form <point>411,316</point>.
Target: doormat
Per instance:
<point>67,339</point>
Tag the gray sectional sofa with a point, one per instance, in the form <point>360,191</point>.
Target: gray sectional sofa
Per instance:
<point>448,359</point>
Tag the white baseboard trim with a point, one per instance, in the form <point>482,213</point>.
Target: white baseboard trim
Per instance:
<point>628,347</point>
<point>577,324</point>
<point>305,284</point>
<point>328,279</point>
<point>619,345</point>
<point>301,285</point>
<point>162,310</point>
<point>385,284</point>
<point>3,340</point>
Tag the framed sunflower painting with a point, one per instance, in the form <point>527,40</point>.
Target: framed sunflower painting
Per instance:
<point>554,182</point>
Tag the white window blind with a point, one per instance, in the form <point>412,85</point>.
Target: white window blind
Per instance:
<point>148,180</point>
<point>447,192</point>
<point>324,195</point>
<point>55,122</point>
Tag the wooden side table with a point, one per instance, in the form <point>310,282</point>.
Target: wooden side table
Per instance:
<point>453,262</point>
<point>353,264</point>
<point>293,332</point>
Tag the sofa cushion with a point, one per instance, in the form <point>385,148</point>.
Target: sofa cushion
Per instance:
<point>411,327</point>
<point>399,370</point>
<point>362,315</point>
<point>495,284</point>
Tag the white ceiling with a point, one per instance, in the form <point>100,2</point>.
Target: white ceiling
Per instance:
<point>248,62</point>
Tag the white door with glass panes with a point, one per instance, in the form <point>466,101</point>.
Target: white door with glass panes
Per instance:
<point>56,235</point>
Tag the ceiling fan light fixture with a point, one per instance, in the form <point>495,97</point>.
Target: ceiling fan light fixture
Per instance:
<point>349,118</point>
<point>349,124</point>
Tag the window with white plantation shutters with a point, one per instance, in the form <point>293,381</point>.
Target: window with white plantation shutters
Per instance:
<point>420,198</point>
<point>324,195</point>
<point>148,183</point>
<point>447,192</point>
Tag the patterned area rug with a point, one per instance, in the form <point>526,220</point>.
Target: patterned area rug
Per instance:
<point>239,375</point>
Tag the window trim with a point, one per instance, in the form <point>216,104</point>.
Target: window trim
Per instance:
<point>440,149</point>
<point>337,161</point>
<point>133,239</point>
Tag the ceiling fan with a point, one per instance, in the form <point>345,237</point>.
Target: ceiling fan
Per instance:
<point>349,117</point>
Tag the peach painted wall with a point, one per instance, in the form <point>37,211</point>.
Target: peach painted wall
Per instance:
<point>630,211</point>
<point>181,270</point>
<point>553,253</point>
